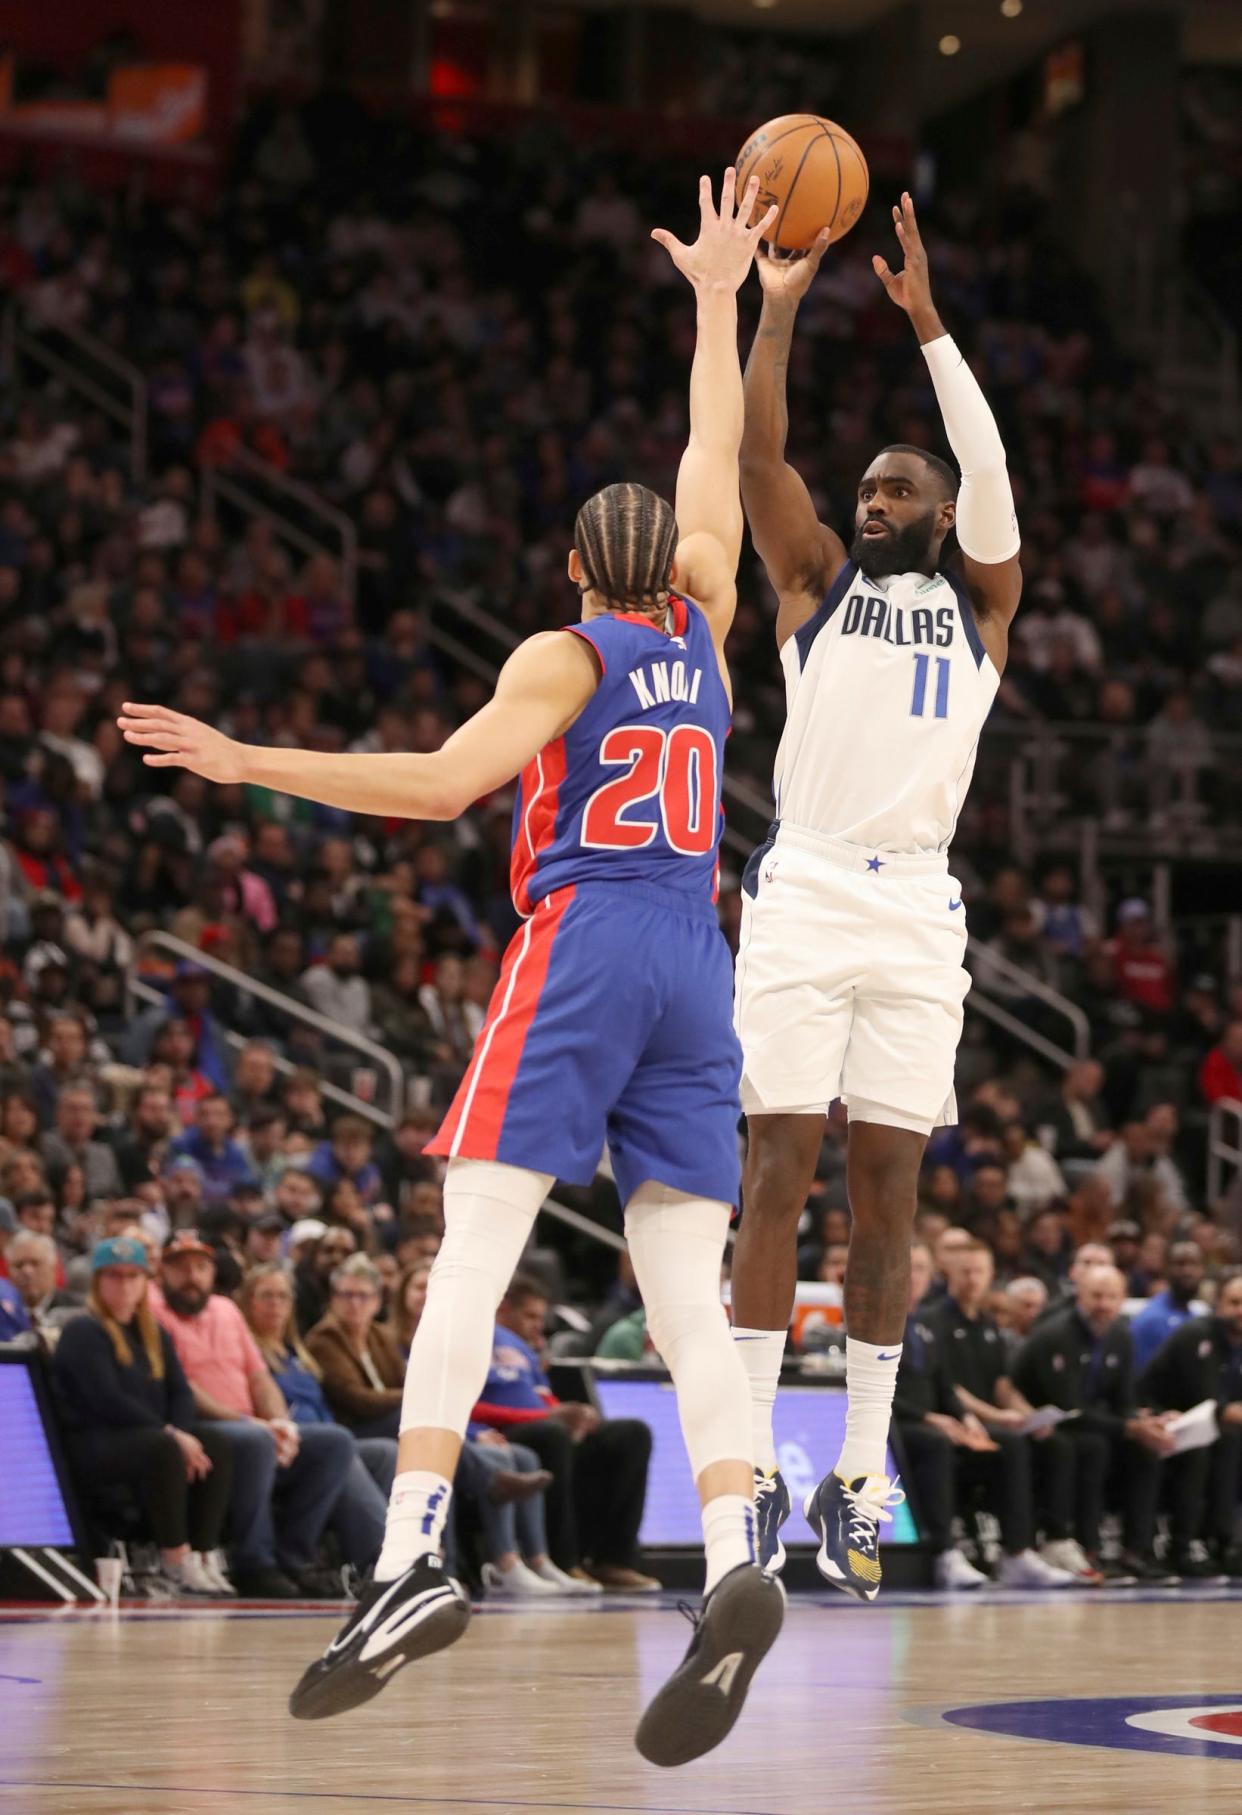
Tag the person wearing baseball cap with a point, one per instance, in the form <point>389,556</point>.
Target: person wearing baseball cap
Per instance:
<point>129,1418</point>
<point>274,1545</point>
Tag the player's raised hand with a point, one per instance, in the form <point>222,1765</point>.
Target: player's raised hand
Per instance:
<point>786,276</point>
<point>177,741</point>
<point>722,254</point>
<point>909,288</point>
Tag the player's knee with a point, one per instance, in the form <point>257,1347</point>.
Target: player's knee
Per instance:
<point>776,1182</point>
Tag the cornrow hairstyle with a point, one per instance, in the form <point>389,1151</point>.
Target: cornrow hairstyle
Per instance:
<point>941,468</point>
<point>626,537</point>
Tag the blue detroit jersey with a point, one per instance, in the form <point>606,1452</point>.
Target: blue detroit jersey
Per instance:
<point>631,792</point>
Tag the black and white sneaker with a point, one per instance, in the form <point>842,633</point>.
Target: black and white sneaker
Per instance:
<point>394,1623</point>
<point>700,1702</point>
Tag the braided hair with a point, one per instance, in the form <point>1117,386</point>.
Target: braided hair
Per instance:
<point>626,537</point>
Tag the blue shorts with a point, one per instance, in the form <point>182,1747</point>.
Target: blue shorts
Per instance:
<point>612,1020</point>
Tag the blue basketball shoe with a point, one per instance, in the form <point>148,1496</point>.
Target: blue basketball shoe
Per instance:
<point>846,1517</point>
<point>771,1512</point>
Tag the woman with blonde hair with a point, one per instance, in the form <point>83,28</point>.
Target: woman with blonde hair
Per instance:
<point>266,1299</point>
<point>129,1419</point>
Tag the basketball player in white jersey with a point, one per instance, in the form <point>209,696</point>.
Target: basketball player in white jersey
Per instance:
<point>849,973</point>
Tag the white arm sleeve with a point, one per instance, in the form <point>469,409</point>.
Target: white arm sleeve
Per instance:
<point>987,524</point>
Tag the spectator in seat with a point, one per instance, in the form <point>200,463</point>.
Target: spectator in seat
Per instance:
<point>13,1319</point>
<point>1169,1309</point>
<point>975,1361</point>
<point>189,1001</point>
<point>141,1145</point>
<point>254,1081</point>
<point>1073,1124</point>
<point>72,1143</point>
<point>363,1373</point>
<point>1081,1359</point>
<point>934,1432</point>
<point>1220,1075</point>
<point>130,1418</point>
<point>266,1301</point>
<point>296,1196</point>
<point>181,1180</point>
<point>65,1062</point>
<point>33,1264</point>
<point>347,1155</point>
<point>262,1242</point>
<point>1123,1238</point>
<point>222,1160</point>
<point>1202,1359</point>
<point>1027,1300</point>
<point>1034,1178</point>
<point>314,1270</point>
<point>1142,968</point>
<point>337,989</point>
<point>172,1051</point>
<point>19,1123</point>
<point>599,1467</point>
<point>1138,1160</point>
<point>359,1360</point>
<point>286,1480</point>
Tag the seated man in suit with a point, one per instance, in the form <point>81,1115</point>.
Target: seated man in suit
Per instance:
<point>1201,1360</point>
<point>1081,1359</point>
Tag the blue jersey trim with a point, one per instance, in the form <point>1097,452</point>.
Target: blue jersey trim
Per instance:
<point>967,613</point>
<point>811,629</point>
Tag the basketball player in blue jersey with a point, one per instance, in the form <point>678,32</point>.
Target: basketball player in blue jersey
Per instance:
<point>849,976</point>
<point>611,1020</point>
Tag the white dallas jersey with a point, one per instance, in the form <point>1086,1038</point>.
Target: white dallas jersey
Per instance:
<point>887,686</point>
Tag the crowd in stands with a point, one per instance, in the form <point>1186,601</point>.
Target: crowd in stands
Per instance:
<point>459,390</point>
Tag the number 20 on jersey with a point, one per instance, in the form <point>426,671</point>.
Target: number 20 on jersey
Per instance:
<point>675,770</point>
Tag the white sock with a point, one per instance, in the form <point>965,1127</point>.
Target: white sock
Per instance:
<point>762,1352</point>
<point>728,1536</point>
<point>416,1514</point>
<point>871,1378</point>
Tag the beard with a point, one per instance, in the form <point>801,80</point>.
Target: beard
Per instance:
<point>188,1302</point>
<point>907,550</point>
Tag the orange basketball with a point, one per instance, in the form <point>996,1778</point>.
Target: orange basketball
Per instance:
<point>812,170</point>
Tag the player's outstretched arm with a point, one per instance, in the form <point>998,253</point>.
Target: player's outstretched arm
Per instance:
<point>986,522</point>
<point>709,508</point>
<point>541,690</point>
<point>801,554</point>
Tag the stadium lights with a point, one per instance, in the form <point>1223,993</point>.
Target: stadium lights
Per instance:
<point>1011,8</point>
<point>950,44</point>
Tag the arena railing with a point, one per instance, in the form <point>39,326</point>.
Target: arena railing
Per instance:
<point>51,350</point>
<point>379,1056</point>
<point>230,483</point>
<point>1224,1147</point>
<point>1027,985</point>
<point>140,989</point>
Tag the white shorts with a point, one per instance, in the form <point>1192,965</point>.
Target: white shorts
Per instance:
<point>850,983</point>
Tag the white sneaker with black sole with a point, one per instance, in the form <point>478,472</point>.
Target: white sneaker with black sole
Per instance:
<point>394,1623</point>
<point>700,1702</point>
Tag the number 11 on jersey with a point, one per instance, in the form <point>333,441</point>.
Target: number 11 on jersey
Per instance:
<point>922,663</point>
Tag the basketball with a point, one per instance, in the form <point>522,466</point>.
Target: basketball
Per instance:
<point>812,170</point>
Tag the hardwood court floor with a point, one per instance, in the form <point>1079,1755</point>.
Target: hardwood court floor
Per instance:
<point>163,1711</point>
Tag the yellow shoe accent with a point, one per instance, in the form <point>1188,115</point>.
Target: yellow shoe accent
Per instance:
<point>866,1567</point>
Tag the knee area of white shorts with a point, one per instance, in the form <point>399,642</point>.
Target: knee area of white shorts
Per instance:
<point>863,1109</point>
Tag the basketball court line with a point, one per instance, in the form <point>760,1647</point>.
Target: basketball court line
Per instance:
<point>908,1600</point>
<point>230,1793</point>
